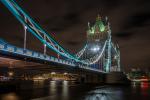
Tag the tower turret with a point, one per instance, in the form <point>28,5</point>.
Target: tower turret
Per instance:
<point>98,31</point>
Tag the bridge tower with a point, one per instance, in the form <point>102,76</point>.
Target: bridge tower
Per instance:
<point>97,35</point>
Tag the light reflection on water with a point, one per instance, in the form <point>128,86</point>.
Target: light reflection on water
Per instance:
<point>64,90</point>
<point>52,88</point>
<point>104,94</point>
<point>10,96</point>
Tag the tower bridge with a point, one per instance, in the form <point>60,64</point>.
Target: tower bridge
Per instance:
<point>100,55</point>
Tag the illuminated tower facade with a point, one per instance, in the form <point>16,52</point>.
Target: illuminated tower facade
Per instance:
<point>99,52</point>
<point>98,31</point>
<point>97,35</point>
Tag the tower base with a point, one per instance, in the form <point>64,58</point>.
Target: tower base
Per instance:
<point>117,78</point>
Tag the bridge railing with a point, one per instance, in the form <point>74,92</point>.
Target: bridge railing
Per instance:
<point>5,48</point>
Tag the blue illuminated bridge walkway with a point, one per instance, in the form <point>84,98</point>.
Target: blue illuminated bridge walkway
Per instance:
<point>99,54</point>
<point>7,50</point>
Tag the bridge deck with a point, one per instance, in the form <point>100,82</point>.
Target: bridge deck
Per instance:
<point>9,53</point>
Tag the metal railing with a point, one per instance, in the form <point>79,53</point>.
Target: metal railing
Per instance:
<point>28,53</point>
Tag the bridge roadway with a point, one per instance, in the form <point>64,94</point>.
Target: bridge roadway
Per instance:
<point>9,51</point>
<point>18,58</point>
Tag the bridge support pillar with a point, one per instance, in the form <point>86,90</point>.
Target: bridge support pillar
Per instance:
<point>91,78</point>
<point>116,78</point>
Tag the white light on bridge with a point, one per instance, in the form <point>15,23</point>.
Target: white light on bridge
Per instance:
<point>95,49</point>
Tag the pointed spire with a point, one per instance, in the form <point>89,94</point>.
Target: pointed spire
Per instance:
<point>106,18</point>
<point>89,25</point>
<point>98,17</point>
<point>117,45</point>
<point>108,25</point>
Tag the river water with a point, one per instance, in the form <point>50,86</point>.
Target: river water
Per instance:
<point>64,90</point>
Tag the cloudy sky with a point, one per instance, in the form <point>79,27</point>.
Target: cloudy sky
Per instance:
<point>67,21</point>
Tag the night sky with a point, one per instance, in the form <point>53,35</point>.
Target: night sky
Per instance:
<point>67,21</point>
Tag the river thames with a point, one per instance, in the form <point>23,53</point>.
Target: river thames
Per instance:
<point>64,90</point>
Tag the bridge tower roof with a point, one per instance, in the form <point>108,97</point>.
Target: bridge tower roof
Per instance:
<point>98,27</point>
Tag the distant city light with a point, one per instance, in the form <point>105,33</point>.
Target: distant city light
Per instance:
<point>53,73</point>
<point>10,73</point>
<point>65,73</point>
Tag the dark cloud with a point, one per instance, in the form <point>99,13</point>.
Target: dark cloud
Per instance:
<point>137,20</point>
<point>72,17</point>
<point>123,34</point>
<point>66,21</point>
<point>73,43</point>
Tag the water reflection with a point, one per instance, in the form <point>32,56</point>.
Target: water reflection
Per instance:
<point>104,94</point>
<point>144,89</point>
<point>144,85</point>
<point>65,92</point>
<point>10,96</point>
<point>52,88</point>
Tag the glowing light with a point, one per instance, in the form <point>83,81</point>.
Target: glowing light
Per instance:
<point>39,78</point>
<point>53,73</point>
<point>144,85</point>
<point>100,55</point>
<point>95,49</point>
<point>115,57</point>
<point>65,73</point>
<point>102,27</point>
<point>10,73</point>
<point>10,96</point>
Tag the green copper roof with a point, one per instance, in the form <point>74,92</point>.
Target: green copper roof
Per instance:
<point>99,24</point>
